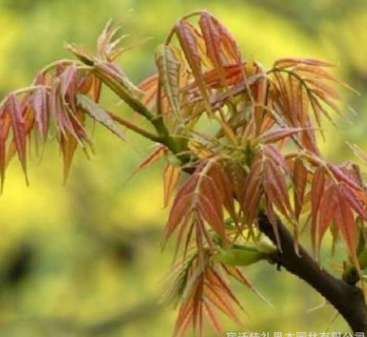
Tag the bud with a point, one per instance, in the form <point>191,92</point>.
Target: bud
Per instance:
<point>239,256</point>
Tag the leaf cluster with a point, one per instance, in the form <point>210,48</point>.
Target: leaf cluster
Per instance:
<point>238,139</point>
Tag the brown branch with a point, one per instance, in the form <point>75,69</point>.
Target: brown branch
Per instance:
<point>346,298</point>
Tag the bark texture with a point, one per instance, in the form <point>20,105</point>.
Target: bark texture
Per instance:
<point>346,298</point>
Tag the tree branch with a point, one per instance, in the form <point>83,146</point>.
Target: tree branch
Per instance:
<point>346,298</point>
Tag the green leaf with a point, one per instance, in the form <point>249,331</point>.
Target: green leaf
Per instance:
<point>99,114</point>
<point>169,75</point>
<point>240,256</point>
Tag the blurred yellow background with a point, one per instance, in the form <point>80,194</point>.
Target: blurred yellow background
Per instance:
<point>84,259</point>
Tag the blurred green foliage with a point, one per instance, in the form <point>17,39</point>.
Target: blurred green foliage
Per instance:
<point>84,259</point>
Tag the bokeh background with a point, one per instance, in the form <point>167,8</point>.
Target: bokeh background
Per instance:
<point>84,259</point>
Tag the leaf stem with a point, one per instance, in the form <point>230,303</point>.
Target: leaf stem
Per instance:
<point>24,90</point>
<point>57,63</point>
<point>172,32</point>
<point>172,143</point>
<point>135,128</point>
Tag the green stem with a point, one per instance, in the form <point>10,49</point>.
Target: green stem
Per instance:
<point>173,144</point>
<point>135,128</point>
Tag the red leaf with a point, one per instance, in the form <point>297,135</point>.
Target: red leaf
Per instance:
<point>288,62</point>
<point>182,206</point>
<point>4,132</point>
<point>229,44</point>
<point>171,175</point>
<point>308,138</point>
<point>253,191</point>
<point>15,112</point>
<point>209,312</point>
<point>279,134</point>
<point>213,41</point>
<point>39,103</point>
<point>299,181</point>
<point>237,176</point>
<point>317,192</point>
<point>69,144</point>
<point>189,46</point>
<point>353,200</point>
<point>57,109</point>
<point>328,208</point>
<point>180,212</point>
<point>324,89</point>
<point>345,221</point>
<point>276,156</point>
<point>341,176</point>
<point>222,285</point>
<point>273,221</point>
<point>211,215</point>
<point>224,186</point>
<point>68,79</point>
<point>157,154</point>
<point>276,189</point>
